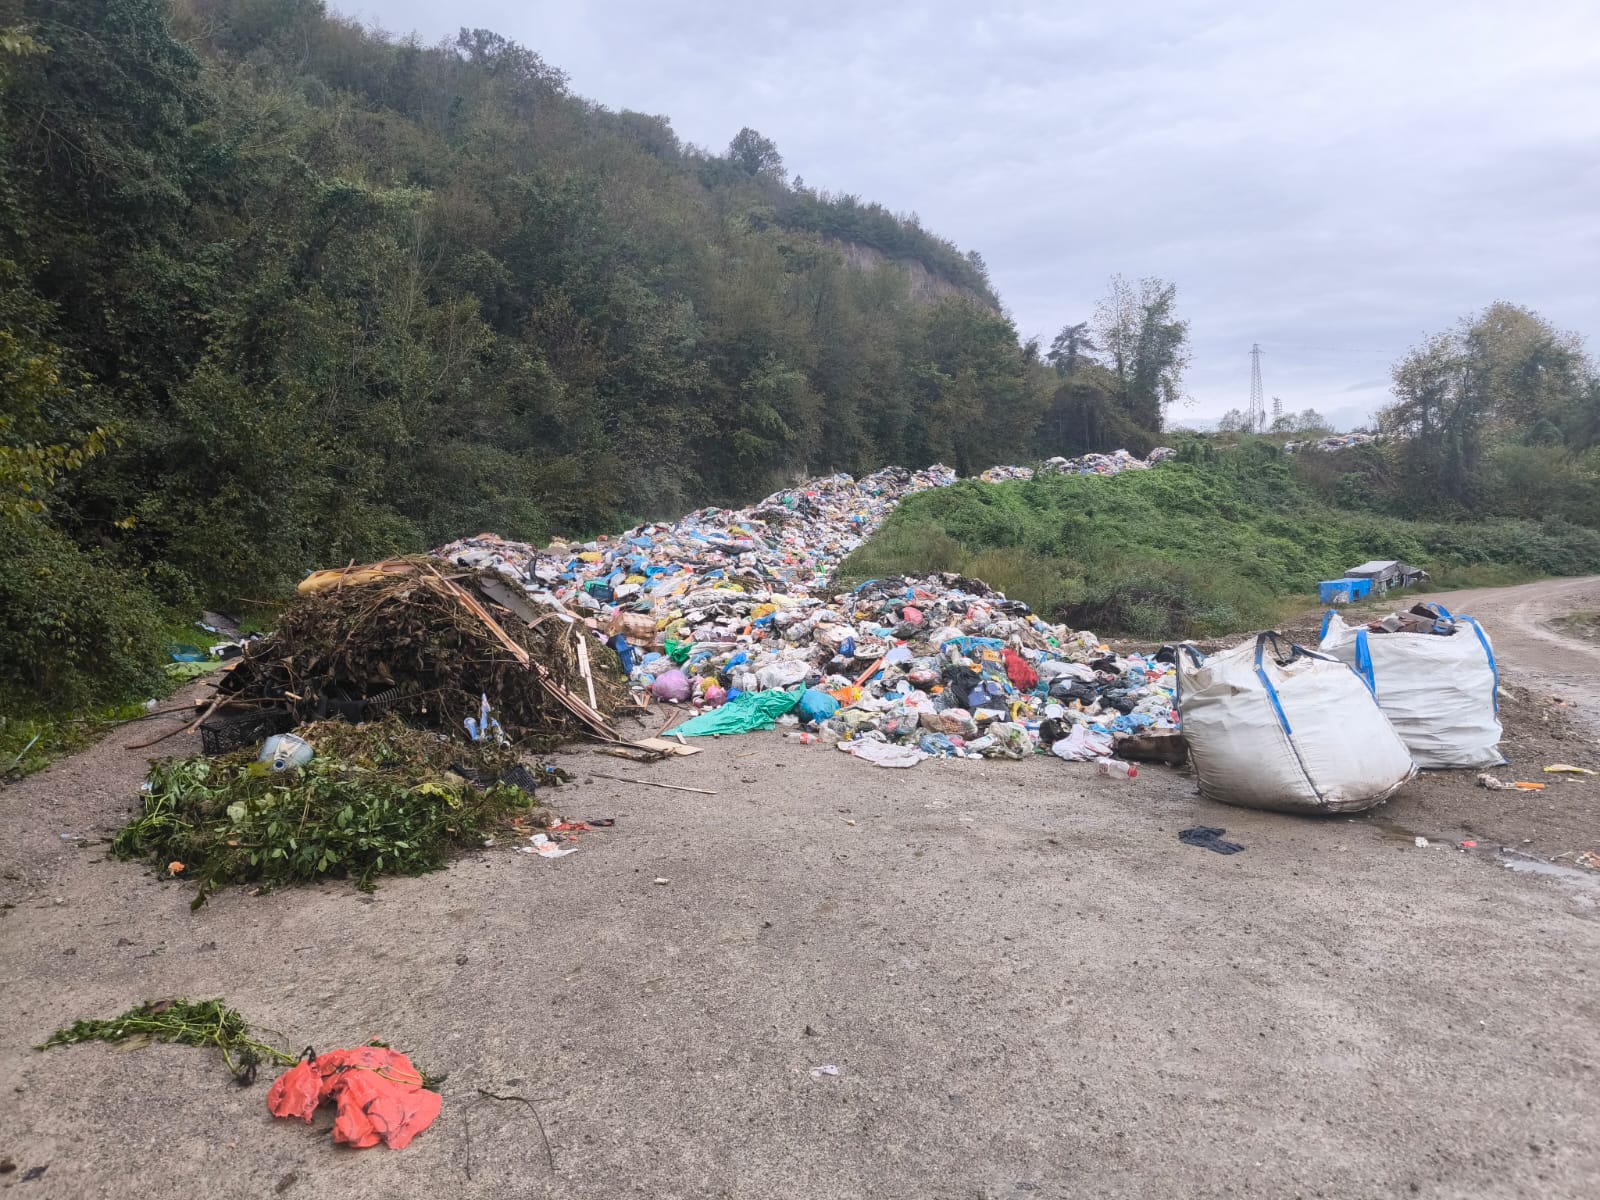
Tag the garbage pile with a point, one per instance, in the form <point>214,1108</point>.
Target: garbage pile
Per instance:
<point>725,606</point>
<point>402,637</point>
<point>942,663</point>
<point>1007,474</point>
<point>1335,441</point>
<point>788,544</point>
<point>1114,463</point>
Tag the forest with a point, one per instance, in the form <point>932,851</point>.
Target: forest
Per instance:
<point>278,291</point>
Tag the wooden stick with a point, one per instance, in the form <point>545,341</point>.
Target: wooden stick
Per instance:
<point>676,787</point>
<point>583,666</point>
<point>215,704</point>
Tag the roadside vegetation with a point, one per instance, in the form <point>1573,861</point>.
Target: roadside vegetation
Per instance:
<point>1214,543</point>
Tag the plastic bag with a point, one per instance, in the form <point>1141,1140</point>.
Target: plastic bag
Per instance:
<point>671,685</point>
<point>816,705</point>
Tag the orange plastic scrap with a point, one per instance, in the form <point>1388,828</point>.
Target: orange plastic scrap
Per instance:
<point>378,1092</point>
<point>297,1092</point>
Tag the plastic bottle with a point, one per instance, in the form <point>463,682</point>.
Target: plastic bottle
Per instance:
<point>807,737</point>
<point>1115,768</point>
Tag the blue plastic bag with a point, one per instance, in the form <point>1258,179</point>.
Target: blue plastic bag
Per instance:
<point>816,706</point>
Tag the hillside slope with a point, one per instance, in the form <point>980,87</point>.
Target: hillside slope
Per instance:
<point>1188,549</point>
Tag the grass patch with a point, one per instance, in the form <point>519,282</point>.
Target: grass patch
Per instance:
<point>377,799</point>
<point>1190,549</point>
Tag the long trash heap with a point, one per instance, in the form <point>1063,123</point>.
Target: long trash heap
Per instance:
<point>725,606</point>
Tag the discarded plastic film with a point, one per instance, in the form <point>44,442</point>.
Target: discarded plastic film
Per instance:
<point>378,1093</point>
<point>545,848</point>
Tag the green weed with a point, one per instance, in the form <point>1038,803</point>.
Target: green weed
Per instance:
<point>1191,548</point>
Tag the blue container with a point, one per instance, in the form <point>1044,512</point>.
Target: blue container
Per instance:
<point>1334,591</point>
<point>1359,588</point>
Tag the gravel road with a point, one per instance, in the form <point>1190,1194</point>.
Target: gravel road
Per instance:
<point>1028,985</point>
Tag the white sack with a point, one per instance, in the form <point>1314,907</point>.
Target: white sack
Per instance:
<point>1300,735</point>
<point>1441,694</point>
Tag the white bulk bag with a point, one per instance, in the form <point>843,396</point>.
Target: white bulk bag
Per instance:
<point>1273,725</point>
<point>1441,693</point>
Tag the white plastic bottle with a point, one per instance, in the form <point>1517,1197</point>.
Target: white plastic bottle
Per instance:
<point>1115,768</point>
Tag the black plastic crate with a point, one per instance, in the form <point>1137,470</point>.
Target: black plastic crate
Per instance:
<point>234,731</point>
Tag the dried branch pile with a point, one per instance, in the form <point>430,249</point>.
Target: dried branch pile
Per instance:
<point>401,637</point>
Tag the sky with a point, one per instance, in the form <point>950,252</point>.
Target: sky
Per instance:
<point>1333,182</point>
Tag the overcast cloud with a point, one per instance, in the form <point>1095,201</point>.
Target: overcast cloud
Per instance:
<point>1332,181</point>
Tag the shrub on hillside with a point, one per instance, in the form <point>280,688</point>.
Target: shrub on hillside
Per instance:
<point>75,629</point>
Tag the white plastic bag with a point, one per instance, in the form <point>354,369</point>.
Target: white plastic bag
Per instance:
<point>1276,726</point>
<point>1441,693</point>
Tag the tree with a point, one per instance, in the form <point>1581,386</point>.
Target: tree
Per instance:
<point>1235,420</point>
<point>1073,345</point>
<point>1494,376</point>
<point>756,155</point>
<point>1147,343</point>
<point>1308,421</point>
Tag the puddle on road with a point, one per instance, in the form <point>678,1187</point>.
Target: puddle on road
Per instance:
<point>1399,833</point>
<point>1526,864</point>
<point>1587,882</point>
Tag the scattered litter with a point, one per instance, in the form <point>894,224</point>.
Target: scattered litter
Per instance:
<point>1083,744</point>
<point>33,1173</point>
<point>1114,768</point>
<point>825,1069</point>
<point>544,847</point>
<point>1467,845</point>
<point>1588,859</point>
<point>285,752</point>
<point>661,881</point>
<point>379,1095</point>
<point>1210,838</point>
<point>1493,784</point>
<point>1421,843</point>
<point>667,746</point>
<point>1566,769</point>
<point>882,754</point>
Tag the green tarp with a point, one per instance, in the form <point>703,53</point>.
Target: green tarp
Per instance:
<point>751,710</point>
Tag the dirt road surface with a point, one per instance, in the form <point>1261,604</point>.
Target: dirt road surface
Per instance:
<point>1028,985</point>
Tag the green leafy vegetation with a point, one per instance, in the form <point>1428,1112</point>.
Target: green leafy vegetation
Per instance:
<point>377,799</point>
<point>187,1022</point>
<point>1218,544</point>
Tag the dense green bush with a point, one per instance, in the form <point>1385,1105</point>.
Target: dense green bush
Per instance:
<point>75,628</point>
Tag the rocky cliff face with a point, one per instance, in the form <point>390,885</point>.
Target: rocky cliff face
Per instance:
<point>926,287</point>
